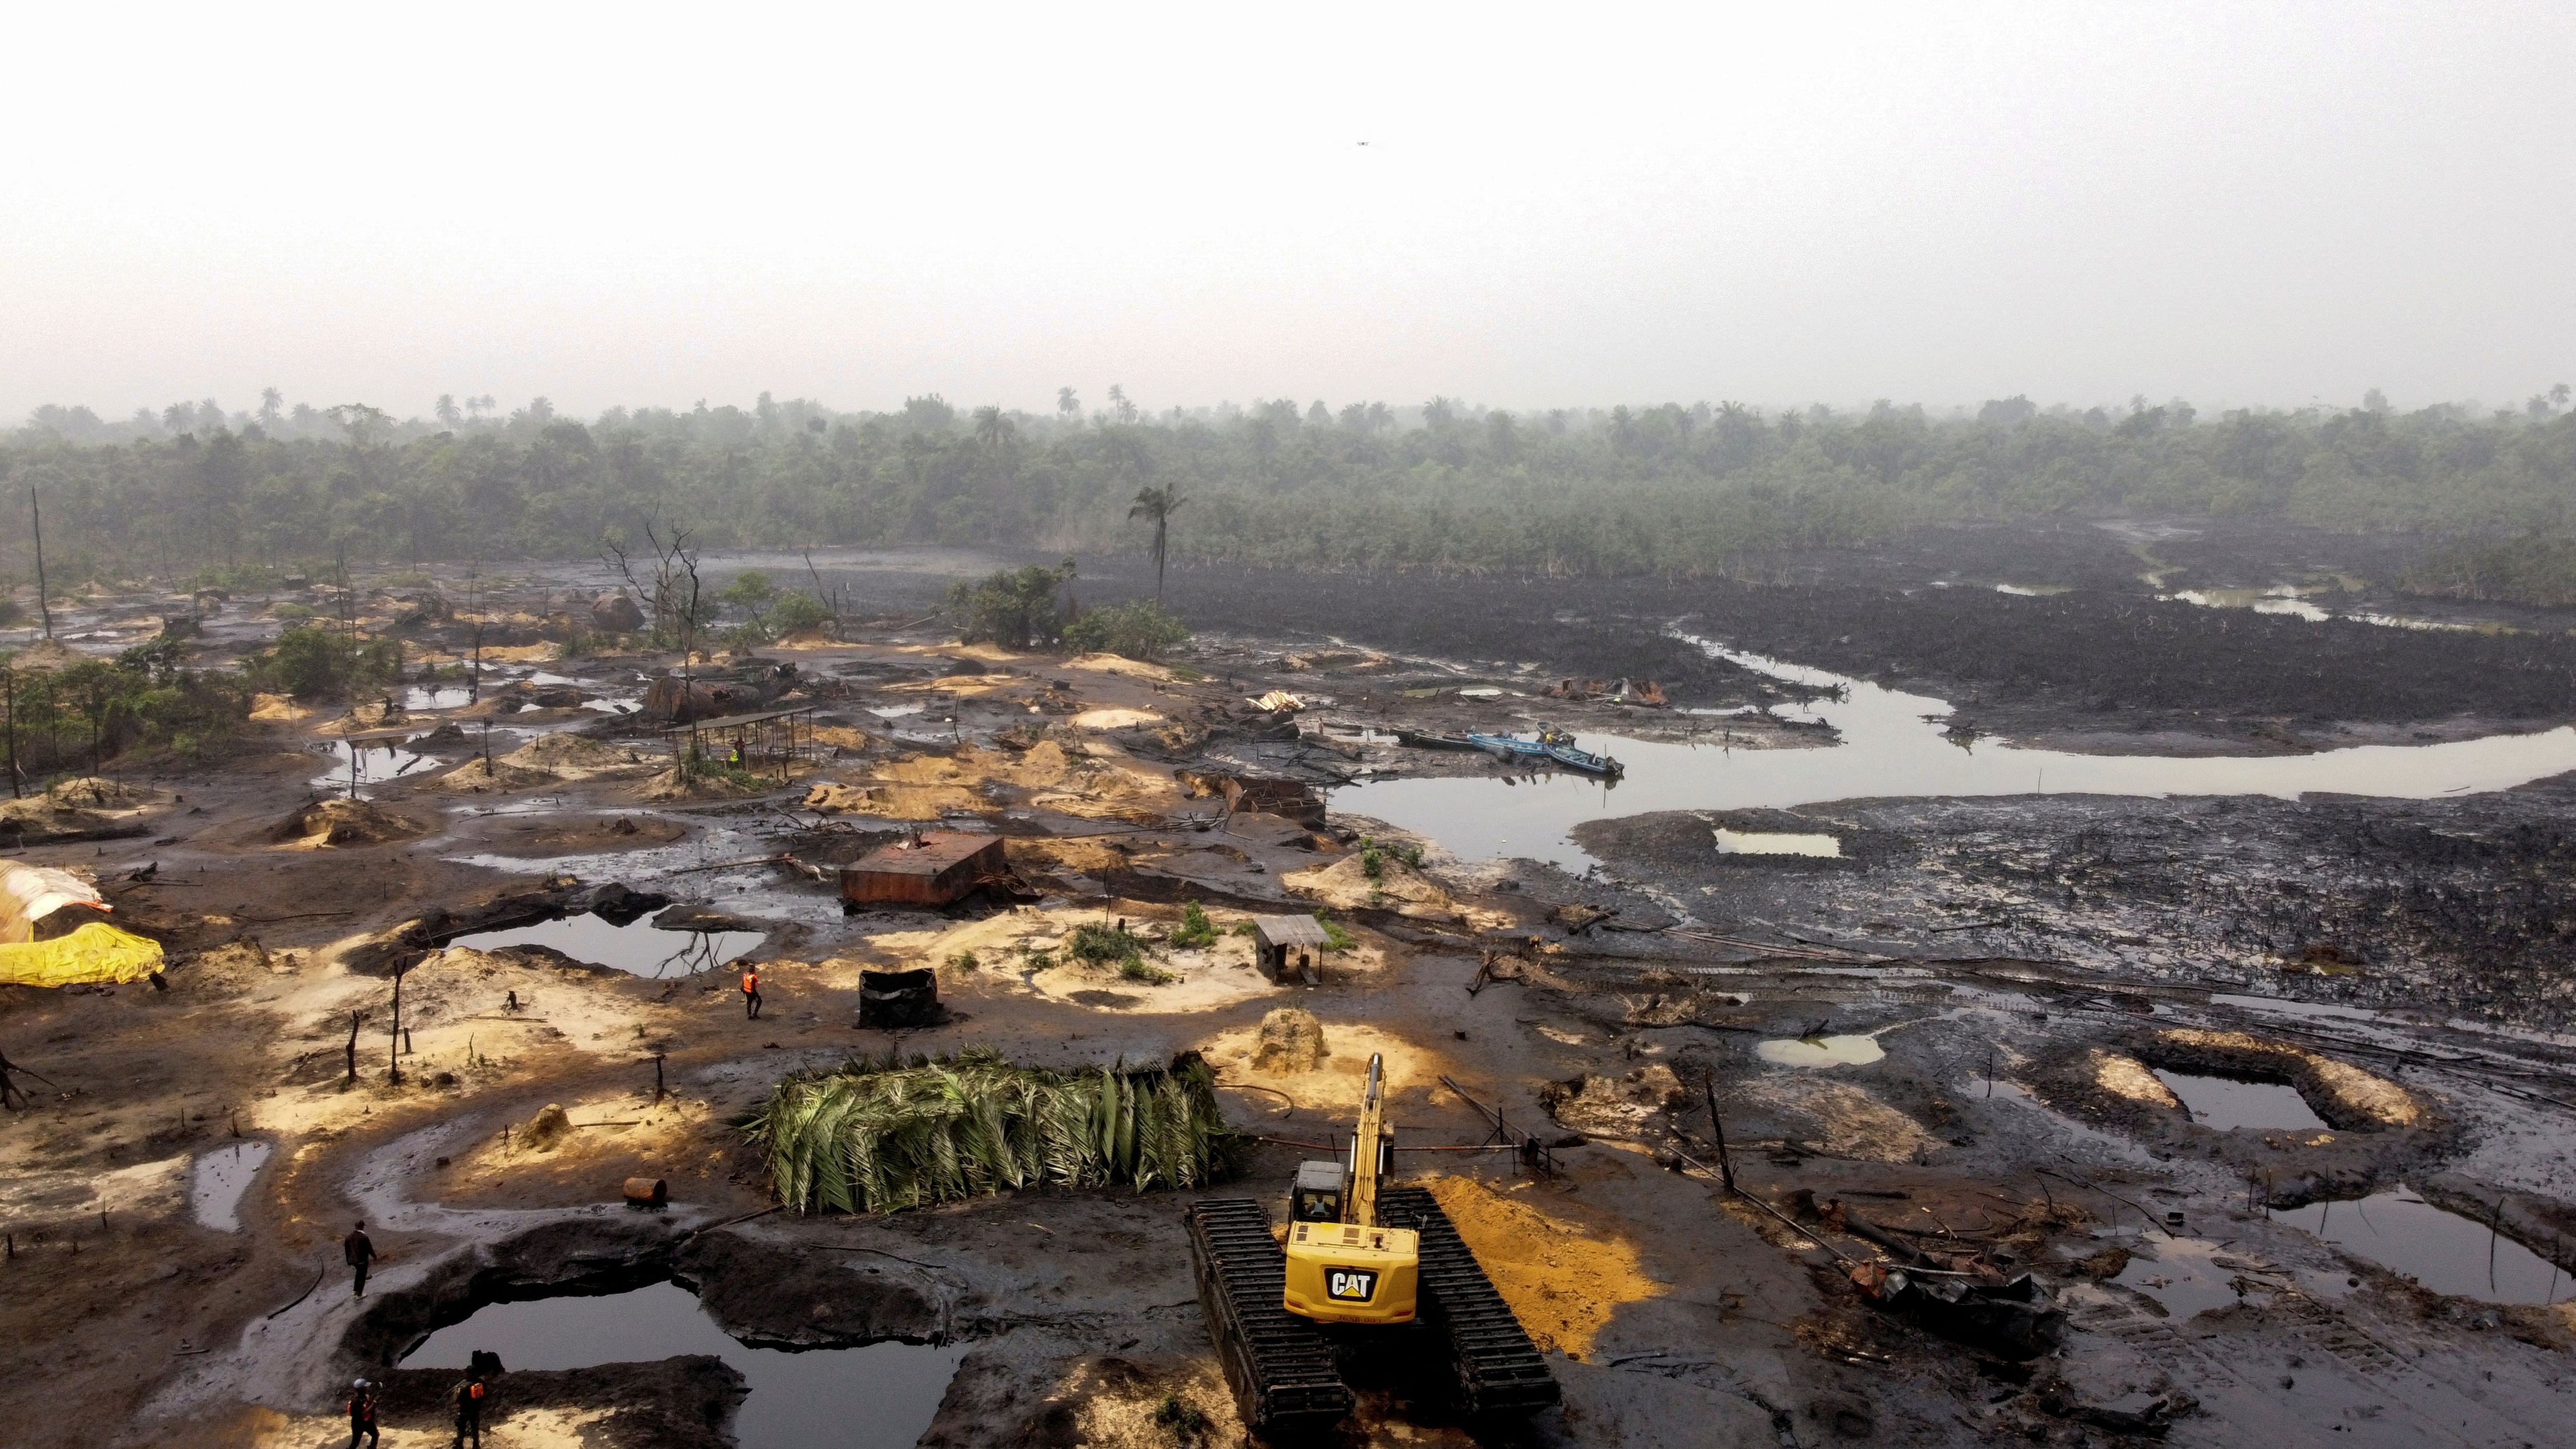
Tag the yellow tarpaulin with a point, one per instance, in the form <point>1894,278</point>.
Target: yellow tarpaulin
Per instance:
<point>96,952</point>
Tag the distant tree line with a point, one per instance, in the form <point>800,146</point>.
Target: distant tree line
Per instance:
<point>1674,490</point>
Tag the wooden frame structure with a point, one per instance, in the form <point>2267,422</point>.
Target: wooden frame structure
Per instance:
<point>766,743</point>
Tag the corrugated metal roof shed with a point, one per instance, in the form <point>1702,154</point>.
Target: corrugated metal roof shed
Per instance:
<point>1290,931</point>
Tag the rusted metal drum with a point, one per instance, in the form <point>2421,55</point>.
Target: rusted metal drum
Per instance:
<point>647,1192</point>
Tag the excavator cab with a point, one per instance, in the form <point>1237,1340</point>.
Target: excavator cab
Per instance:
<point>1318,1197</point>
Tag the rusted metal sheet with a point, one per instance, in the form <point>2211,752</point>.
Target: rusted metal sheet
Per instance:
<point>937,871</point>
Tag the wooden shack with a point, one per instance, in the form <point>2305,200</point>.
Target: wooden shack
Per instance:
<point>1289,945</point>
<point>936,868</point>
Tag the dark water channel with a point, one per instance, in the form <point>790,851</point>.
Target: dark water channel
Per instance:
<point>1892,745</point>
<point>2224,1102</point>
<point>881,1396</point>
<point>638,947</point>
<point>2439,1249</point>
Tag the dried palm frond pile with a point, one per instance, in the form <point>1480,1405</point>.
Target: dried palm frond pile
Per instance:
<point>884,1136</point>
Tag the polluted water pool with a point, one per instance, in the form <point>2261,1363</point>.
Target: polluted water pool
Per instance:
<point>1892,745</point>
<point>1821,1051</point>
<point>880,1396</point>
<point>377,762</point>
<point>639,947</point>
<point>220,1179</point>
<point>2225,1102</point>
<point>2440,1250</point>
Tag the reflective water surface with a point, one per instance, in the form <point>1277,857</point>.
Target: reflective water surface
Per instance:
<point>218,1180</point>
<point>2441,1250</point>
<point>640,947</point>
<point>2224,1102</point>
<point>1893,746</point>
<point>881,1396</point>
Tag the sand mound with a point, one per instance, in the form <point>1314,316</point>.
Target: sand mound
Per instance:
<point>1114,719</point>
<point>2123,1075</point>
<point>277,708</point>
<point>547,1129</point>
<point>1291,1040</point>
<point>672,785</point>
<point>569,756</point>
<point>1617,1107</point>
<point>1345,885</point>
<point>45,654</point>
<point>1847,1122</point>
<point>1119,664</point>
<point>476,777</point>
<point>924,787</point>
<point>1563,1282</point>
<point>344,823</point>
<point>1333,1085</point>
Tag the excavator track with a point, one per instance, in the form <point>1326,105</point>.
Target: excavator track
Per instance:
<point>1280,1366</point>
<point>1499,1370</point>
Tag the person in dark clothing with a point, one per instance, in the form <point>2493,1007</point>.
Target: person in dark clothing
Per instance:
<point>468,1398</point>
<point>750,993</point>
<point>358,1250</point>
<point>362,1414</point>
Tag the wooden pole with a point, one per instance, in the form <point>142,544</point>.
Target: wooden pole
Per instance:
<point>1717,1124</point>
<point>9,688</point>
<point>43,608</point>
<point>353,1046</point>
<point>393,1054</point>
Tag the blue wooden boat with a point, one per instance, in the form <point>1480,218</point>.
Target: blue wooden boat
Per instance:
<point>1552,745</point>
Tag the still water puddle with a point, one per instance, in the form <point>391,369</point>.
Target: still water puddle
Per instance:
<point>1768,842</point>
<point>639,947</point>
<point>1892,746</point>
<point>2441,1250</point>
<point>220,1179</point>
<point>2224,1102</point>
<point>1821,1051</point>
<point>882,1396</point>
<point>377,762</point>
<point>2181,1274</point>
<point>444,696</point>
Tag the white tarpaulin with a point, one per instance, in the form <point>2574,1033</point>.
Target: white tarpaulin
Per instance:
<point>29,893</point>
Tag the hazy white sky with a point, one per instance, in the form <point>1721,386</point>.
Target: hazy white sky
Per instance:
<point>1556,205</point>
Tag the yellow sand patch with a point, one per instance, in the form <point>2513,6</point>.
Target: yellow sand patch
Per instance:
<point>962,685</point>
<point>1335,1084</point>
<point>277,707</point>
<point>475,777</point>
<point>262,1428</point>
<point>921,787</point>
<point>525,653</point>
<point>1119,664</point>
<point>1563,1280</point>
<point>568,756</point>
<point>1345,885</point>
<point>2123,1075</point>
<point>31,1198</point>
<point>1114,719</point>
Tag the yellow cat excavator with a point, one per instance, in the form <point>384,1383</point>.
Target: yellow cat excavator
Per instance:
<point>1365,1266</point>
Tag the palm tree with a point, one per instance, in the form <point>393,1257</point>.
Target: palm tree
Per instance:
<point>1157,504</point>
<point>992,429</point>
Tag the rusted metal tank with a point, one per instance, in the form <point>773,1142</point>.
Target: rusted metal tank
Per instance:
<point>936,870</point>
